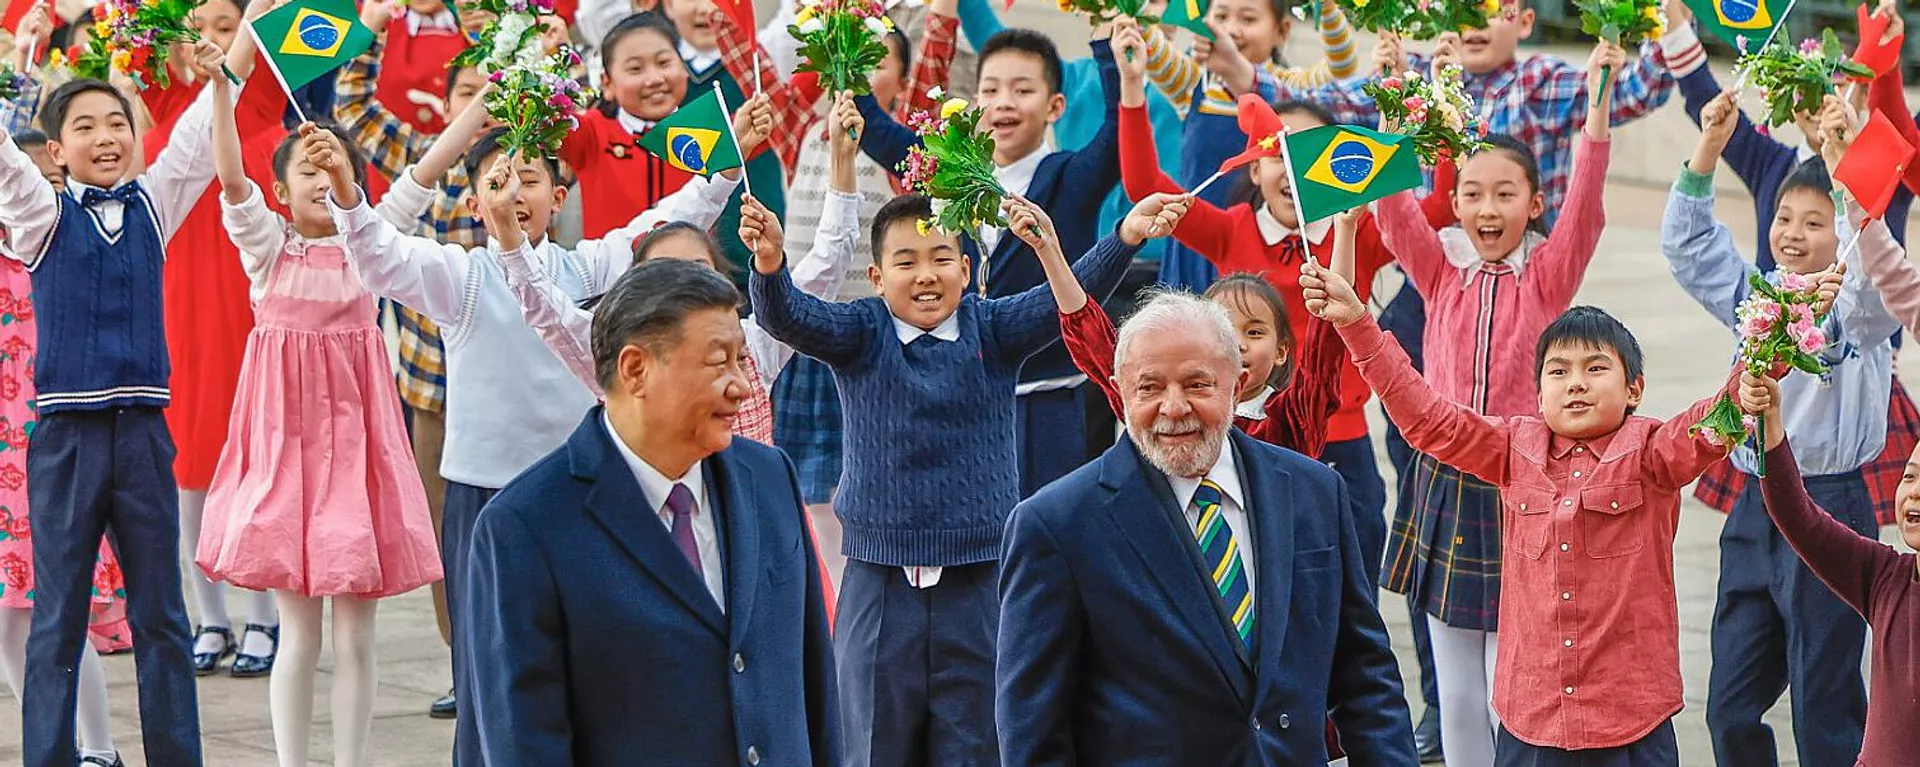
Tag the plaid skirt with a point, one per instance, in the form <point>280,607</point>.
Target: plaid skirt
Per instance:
<point>806,424</point>
<point>1444,548</point>
<point>1720,487</point>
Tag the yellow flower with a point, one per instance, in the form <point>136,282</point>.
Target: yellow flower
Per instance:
<point>100,29</point>
<point>923,226</point>
<point>1360,3</point>
<point>951,108</point>
<point>123,61</point>
<point>149,3</point>
<point>1651,13</point>
<point>804,14</point>
<point>1491,7</point>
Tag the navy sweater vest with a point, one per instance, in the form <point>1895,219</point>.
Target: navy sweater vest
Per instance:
<point>97,297</point>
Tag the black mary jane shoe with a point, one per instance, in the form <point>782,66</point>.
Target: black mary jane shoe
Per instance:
<point>205,663</point>
<point>249,666</point>
<point>447,707</point>
<point>103,761</point>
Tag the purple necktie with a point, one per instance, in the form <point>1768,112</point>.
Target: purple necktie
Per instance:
<point>1292,250</point>
<point>680,501</point>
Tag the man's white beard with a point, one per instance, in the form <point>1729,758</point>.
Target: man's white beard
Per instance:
<point>1181,461</point>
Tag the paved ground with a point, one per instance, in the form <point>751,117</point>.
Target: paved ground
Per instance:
<point>1685,353</point>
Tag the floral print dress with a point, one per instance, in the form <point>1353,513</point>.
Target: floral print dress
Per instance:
<point>17,419</point>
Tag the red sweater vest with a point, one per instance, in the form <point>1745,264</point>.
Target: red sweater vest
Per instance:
<point>618,179</point>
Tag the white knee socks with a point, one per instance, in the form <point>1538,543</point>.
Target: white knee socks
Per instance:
<point>1463,666</point>
<point>290,691</point>
<point>94,721</point>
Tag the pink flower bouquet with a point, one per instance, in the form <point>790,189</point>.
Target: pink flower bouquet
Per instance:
<point>1779,332</point>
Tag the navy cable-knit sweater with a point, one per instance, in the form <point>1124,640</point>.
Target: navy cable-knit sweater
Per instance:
<point>930,472</point>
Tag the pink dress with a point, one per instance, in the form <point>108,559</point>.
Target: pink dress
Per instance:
<point>17,420</point>
<point>316,491</point>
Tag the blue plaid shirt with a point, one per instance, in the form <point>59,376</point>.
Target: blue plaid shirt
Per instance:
<point>1542,101</point>
<point>17,114</point>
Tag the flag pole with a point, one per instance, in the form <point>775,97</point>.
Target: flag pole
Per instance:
<point>275,68</point>
<point>734,136</point>
<point>1207,183</point>
<point>1299,212</point>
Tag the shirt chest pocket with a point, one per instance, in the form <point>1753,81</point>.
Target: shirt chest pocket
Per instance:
<point>1532,521</point>
<point>1610,525</point>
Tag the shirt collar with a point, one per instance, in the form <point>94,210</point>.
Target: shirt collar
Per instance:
<point>655,485</point>
<point>1223,474</point>
<point>1561,447</point>
<point>1018,175</point>
<point>1272,231</point>
<point>442,20</point>
<point>634,125</point>
<point>1255,409</point>
<point>947,330</point>
<point>1462,255</point>
<point>698,60</point>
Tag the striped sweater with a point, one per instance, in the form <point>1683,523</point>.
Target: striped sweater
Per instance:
<point>1178,76</point>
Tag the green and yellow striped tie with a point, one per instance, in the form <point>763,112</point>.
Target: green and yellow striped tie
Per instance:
<point>1221,554</point>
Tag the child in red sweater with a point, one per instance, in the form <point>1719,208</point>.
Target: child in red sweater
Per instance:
<point>425,35</point>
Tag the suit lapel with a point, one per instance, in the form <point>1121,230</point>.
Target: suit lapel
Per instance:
<point>1270,516</point>
<point>616,502</point>
<point>745,560</point>
<point>1141,505</point>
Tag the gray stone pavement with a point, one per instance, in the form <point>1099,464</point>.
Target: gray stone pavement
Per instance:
<point>1685,353</point>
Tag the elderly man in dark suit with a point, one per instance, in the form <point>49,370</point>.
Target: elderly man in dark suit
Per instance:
<point>1194,596</point>
<point>646,595</point>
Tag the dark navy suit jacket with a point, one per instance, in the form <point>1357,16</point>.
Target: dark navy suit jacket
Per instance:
<point>1071,186</point>
<point>1115,647</point>
<point>593,642</point>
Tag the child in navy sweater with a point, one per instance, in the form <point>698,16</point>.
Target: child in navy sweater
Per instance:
<point>926,373</point>
<point>1020,92</point>
<point>101,456</point>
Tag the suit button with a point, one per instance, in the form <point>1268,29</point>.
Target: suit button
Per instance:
<point>739,664</point>
<point>1256,723</point>
<point>1285,722</point>
<point>753,755</point>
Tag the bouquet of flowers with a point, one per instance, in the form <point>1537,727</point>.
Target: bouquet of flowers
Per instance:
<point>1102,11</point>
<point>1795,79</point>
<point>954,166</point>
<point>1419,19</point>
<point>1625,23</point>
<point>1778,332</point>
<point>511,39</point>
<point>842,40</point>
<point>1436,113</point>
<point>12,83</point>
<point>538,104</point>
<point>133,36</point>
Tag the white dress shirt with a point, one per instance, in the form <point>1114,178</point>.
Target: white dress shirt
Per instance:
<point>1017,178</point>
<point>698,61</point>
<point>1255,408</point>
<point>634,125</point>
<point>926,576</point>
<point>1272,231</point>
<point>657,487</point>
<point>444,20</point>
<point>1227,477</point>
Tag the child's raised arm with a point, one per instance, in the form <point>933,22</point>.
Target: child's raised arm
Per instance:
<point>180,173</point>
<point>452,143</point>
<point>1026,322</point>
<point>699,203</point>
<point>1560,264</point>
<point>1607,60</point>
<point>227,166</point>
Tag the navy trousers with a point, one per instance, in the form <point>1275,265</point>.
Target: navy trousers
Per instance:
<point>464,503</point>
<point>1658,749</point>
<point>1777,627</point>
<point>1059,430</point>
<point>1366,495</point>
<point>90,474</point>
<point>916,667</point>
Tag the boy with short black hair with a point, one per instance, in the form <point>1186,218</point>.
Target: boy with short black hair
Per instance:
<point>101,458</point>
<point>1589,671</point>
<point>1058,422</point>
<point>926,489</point>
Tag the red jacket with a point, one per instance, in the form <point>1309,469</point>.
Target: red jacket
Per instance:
<point>618,179</point>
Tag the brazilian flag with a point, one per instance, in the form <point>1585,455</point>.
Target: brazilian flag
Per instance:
<point>1743,24</point>
<point>1191,14</point>
<point>1336,167</point>
<point>307,39</point>
<point>697,137</point>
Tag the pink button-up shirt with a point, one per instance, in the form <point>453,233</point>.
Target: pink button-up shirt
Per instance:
<point>1589,621</point>
<point>1483,318</point>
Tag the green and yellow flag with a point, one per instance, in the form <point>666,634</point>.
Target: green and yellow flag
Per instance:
<point>1336,167</point>
<point>307,39</point>
<point>1191,14</point>
<point>697,137</point>
<point>1744,24</point>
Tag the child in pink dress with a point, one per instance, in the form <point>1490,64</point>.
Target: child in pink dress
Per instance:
<point>316,494</point>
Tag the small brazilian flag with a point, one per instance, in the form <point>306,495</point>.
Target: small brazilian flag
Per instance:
<point>1190,14</point>
<point>1336,167</point>
<point>1743,24</point>
<point>307,39</point>
<point>696,138</point>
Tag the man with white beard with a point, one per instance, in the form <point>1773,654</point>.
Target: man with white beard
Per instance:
<point>1194,596</point>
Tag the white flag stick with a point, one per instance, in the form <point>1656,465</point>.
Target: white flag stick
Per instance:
<point>745,182</point>
<point>275,68</point>
<point>1299,212</point>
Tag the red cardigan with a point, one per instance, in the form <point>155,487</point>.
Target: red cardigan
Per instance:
<point>618,179</point>
<point>1296,416</point>
<point>1230,238</point>
<point>413,72</point>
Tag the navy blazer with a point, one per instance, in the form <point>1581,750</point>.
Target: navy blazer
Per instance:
<point>593,642</point>
<point>1071,186</point>
<point>1115,647</point>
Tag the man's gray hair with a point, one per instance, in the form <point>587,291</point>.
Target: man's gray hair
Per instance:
<point>1179,310</point>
